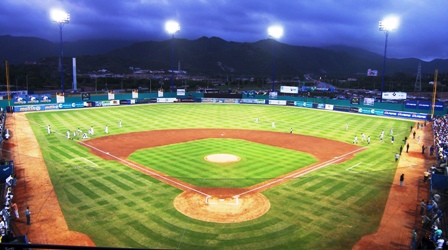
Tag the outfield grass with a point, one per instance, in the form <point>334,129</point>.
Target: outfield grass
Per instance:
<point>118,206</point>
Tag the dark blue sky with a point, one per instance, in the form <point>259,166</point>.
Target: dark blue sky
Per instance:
<point>422,32</point>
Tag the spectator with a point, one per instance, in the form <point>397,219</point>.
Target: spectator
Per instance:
<point>16,209</point>
<point>28,215</point>
<point>422,207</point>
<point>426,175</point>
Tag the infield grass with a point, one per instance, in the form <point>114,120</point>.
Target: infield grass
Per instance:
<point>258,162</point>
<point>331,208</point>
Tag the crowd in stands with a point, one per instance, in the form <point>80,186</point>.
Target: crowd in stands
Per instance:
<point>432,212</point>
<point>9,210</point>
<point>440,128</point>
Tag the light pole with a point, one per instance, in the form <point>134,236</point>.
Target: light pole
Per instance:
<point>387,25</point>
<point>274,32</point>
<point>61,18</point>
<point>172,27</point>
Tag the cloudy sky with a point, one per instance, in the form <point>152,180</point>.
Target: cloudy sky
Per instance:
<point>423,30</point>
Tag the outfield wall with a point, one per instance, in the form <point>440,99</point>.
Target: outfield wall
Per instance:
<point>378,109</point>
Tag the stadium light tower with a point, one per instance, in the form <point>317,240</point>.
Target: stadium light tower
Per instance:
<point>386,25</point>
<point>172,27</point>
<point>274,32</point>
<point>61,18</point>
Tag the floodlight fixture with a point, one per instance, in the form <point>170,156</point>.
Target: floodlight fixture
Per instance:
<point>172,27</point>
<point>275,32</point>
<point>389,24</point>
<point>386,25</point>
<point>60,17</point>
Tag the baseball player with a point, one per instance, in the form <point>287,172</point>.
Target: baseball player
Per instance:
<point>67,134</point>
<point>119,123</point>
<point>106,130</point>
<point>48,129</point>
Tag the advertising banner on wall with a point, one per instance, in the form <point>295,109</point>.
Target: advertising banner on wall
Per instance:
<point>410,104</point>
<point>85,96</point>
<point>110,95</point>
<point>181,92</point>
<point>33,98</point>
<point>424,105</point>
<point>135,93</point>
<point>273,95</point>
<point>60,98</point>
<point>19,99</point>
<point>405,114</point>
<point>394,95</point>
<point>341,108</point>
<point>45,98</point>
<point>71,105</point>
<point>329,106</point>
<point>370,111</point>
<point>304,104</point>
<point>354,100</point>
<point>438,106</point>
<point>277,102</point>
<point>289,89</point>
<point>369,101</point>
<point>28,108</point>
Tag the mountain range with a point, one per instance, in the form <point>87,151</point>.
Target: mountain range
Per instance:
<point>209,56</point>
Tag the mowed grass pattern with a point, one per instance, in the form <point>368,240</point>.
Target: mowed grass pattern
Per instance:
<point>331,208</point>
<point>257,162</point>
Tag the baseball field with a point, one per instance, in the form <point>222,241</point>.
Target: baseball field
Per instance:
<point>215,176</point>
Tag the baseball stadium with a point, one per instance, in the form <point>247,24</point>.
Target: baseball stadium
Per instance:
<point>169,172</point>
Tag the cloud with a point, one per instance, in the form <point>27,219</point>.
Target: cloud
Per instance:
<point>306,23</point>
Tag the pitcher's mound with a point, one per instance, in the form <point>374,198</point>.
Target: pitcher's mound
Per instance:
<point>228,210</point>
<point>222,158</point>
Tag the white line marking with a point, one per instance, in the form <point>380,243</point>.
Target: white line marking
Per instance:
<point>353,166</point>
<point>145,170</point>
<point>87,160</point>
<point>302,172</point>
